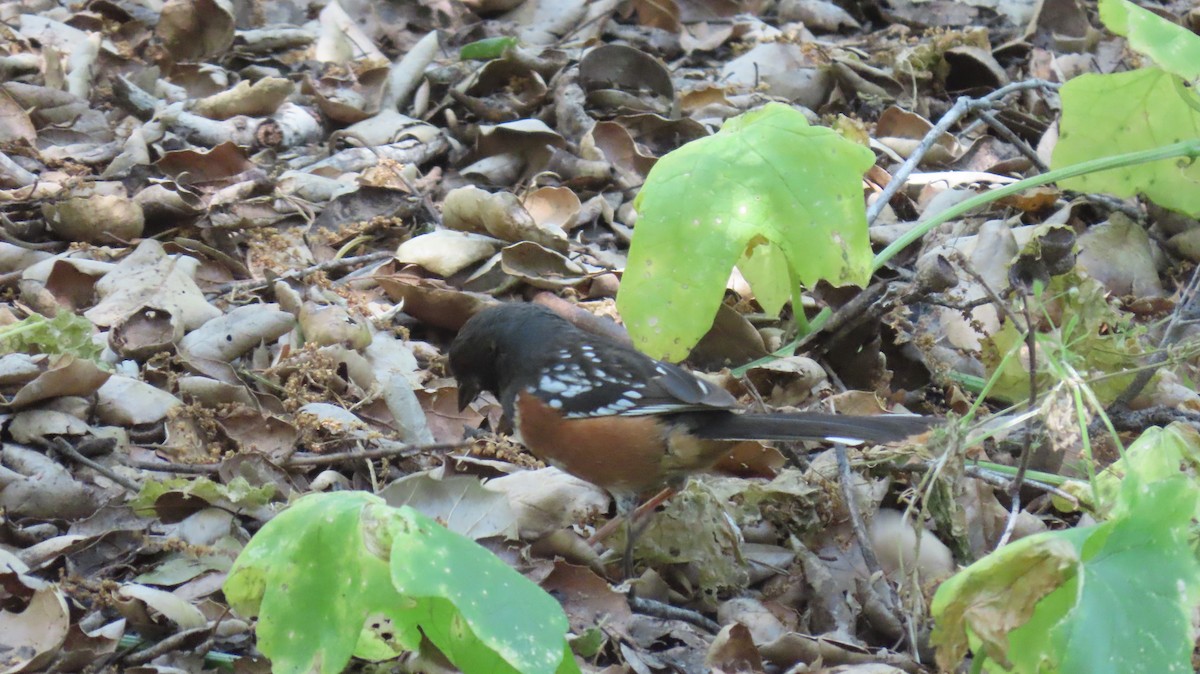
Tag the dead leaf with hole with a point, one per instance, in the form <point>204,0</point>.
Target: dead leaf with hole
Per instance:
<point>144,333</point>
<point>233,334</point>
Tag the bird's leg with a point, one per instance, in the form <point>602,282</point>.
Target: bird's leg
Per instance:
<point>627,509</point>
<point>637,519</point>
<point>610,527</point>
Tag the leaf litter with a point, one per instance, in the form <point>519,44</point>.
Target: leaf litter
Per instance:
<point>237,238</point>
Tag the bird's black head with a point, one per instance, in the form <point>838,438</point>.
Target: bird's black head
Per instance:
<point>490,343</point>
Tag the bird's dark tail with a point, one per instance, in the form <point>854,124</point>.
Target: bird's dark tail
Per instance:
<point>809,426</point>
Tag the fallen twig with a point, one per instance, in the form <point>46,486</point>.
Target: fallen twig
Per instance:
<point>65,448</point>
<point>390,451</point>
<point>667,612</point>
<point>961,107</point>
<point>328,265</point>
<point>397,450</point>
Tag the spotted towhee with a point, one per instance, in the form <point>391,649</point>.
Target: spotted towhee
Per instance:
<point>617,418</point>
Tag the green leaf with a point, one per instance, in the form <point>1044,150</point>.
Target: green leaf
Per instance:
<point>766,179</point>
<point>65,333</point>
<point>1173,47</point>
<point>1159,453</point>
<point>1131,610</point>
<point>344,574</point>
<point>237,494</point>
<point>483,615</point>
<point>1129,112</point>
<point>997,594</point>
<point>765,268</point>
<point>1098,341</point>
<point>1125,592</point>
<point>313,583</point>
<point>486,49</point>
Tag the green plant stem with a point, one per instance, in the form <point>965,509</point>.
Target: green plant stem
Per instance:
<point>788,349</point>
<point>1187,148</point>
<point>212,658</point>
<point>1011,471</point>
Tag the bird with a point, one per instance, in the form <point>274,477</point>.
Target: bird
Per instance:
<point>615,417</point>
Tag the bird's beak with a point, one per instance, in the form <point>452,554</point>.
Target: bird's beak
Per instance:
<point>467,391</point>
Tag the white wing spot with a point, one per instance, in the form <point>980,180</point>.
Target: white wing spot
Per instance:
<point>632,395</point>
<point>550,384</point>
<point>555,403</point>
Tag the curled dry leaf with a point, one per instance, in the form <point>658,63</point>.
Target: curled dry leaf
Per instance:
<point>446,252</point>
<point>1120,255</point>
<point>63,375</point>
<point>548,499</point>
<point>764,625</point>
<point>168,202</point>
<point>902,131</point>
<point>408,417</point>
<point>816,15</point>
<point>155,611</point>
<point>124,401</point>
<point>34,621</point>
<point>34,485</point>
<point>212,393</point>
<point>785,70</point>
<point>331,324</point>
<point>553,208</point>
<point>733,651</point>
<point>144,333</point>
<point>225,160</point>
<point>36,425</point>
<point>626,78</point>
<point>259,99</point>
<point>261,433</point>
<point>502,215</point>
<point>194,29</point>
<point>541,267</point>
<point>99,218</point>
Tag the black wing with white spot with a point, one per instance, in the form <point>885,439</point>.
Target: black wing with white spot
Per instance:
<point>591,379</point>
